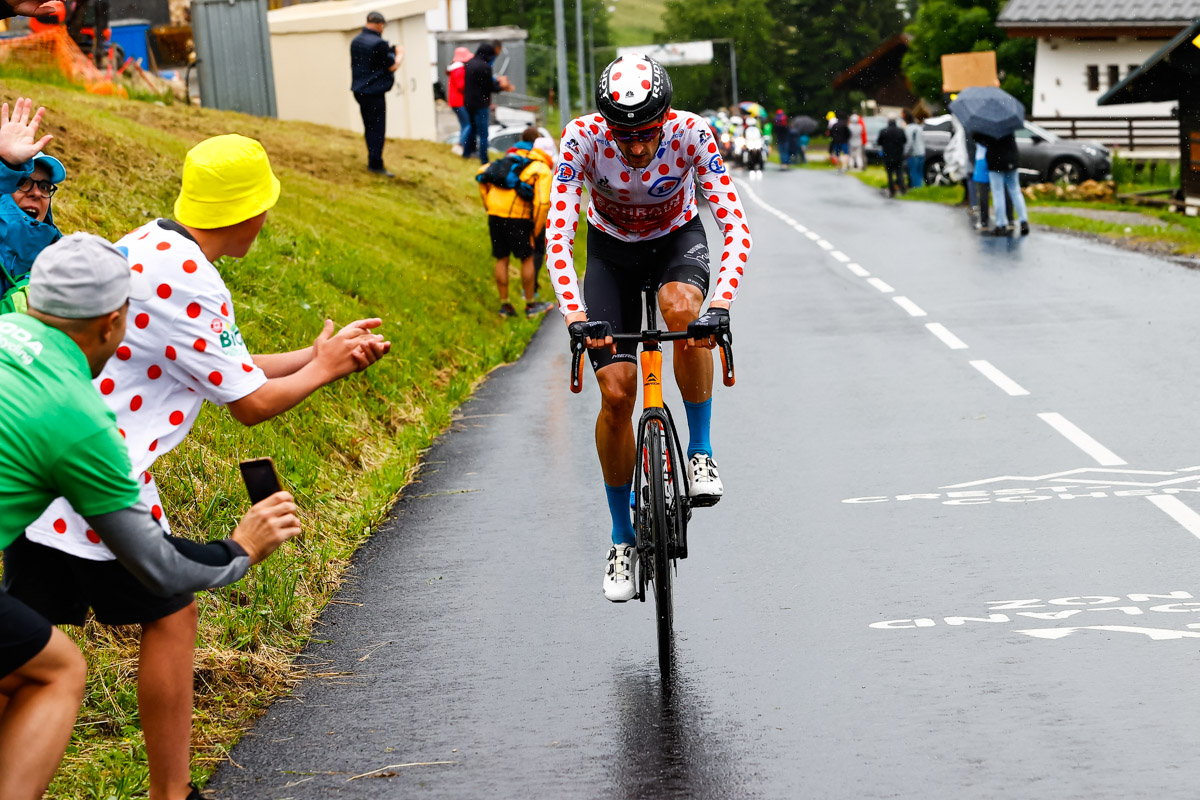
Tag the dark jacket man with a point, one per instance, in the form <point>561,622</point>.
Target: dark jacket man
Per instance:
<point>371,59</point>
<point>478,81</point>
<point>839,134</point>
<point>1002,153</point>
<point>891,141</point>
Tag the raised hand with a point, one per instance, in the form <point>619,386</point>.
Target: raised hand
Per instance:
<point>18,134</point>
<point>35,8</point>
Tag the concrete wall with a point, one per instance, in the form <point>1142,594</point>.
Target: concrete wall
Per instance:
<point>1060,86</point>
<point>312,73</point>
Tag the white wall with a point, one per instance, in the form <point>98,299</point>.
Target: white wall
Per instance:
<point>449,15</point>
<point>1060,86</point>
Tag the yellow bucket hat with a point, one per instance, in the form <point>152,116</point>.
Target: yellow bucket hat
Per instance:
<point>226,180</point>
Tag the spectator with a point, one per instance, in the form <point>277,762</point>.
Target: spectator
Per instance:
<point>517,215</point>
<point>373,64</point>
<point>58,438</point>
<point>914,149</point>
<point>455,77</point>
<point>802,146</point>
<point>546,145</point>
<point>479,83</point>
<point>26,219</point>
<point>1003,162</point>
<point>979,179</point>
<point>183,348</point>
<point>782,137</point>
<point>858,143</point>
<point>891,143</point>
<point>839,143</point>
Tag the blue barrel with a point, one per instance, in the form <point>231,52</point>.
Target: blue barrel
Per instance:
<point>131,35</point>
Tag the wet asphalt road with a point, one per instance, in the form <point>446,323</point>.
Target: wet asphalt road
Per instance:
<point>924,582</point>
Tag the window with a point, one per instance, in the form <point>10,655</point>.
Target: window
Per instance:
<point>1133,68</point>
<point>1114,75</point>
<point>1093,78</point>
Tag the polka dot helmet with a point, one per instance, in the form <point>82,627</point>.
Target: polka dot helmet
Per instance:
<point>633,91</point>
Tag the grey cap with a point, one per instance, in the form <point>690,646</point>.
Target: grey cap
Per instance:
<point>375,16</point>
<point>83,276</point>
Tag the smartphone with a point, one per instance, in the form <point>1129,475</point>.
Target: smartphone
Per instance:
<point>260,478</point>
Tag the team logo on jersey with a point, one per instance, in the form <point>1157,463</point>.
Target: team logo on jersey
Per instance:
<point>715,164</point>
<point>703,136</point>
<point>566,172</point>
<point>232,341</point>
<point>217,326</point>
<point>664,187</point>
<point>572,145</point>
<point>603,185</point>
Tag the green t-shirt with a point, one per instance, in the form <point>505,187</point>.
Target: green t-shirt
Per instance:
<point>57,436</point>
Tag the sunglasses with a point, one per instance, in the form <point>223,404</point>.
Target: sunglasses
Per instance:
<point>644,135</point>
<point>47,188</point>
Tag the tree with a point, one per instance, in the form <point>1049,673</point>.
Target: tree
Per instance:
<point>748,24</point>
<point>965,26</point>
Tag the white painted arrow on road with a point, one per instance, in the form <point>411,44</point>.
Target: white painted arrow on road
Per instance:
<point>1157,634</point>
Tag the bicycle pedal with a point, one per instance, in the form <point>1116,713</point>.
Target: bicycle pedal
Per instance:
<point>702,501</point>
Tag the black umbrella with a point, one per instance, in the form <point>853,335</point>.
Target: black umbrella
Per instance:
<point>802,125</point>
<point>988,110</point>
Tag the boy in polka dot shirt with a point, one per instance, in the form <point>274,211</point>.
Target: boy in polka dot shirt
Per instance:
<point>182,347</point>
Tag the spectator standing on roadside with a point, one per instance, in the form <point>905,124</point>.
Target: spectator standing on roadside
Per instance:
<point>891,141</point>
<point>58,438</point>
<point>914,149</point>
<point>1003,162</point>
<point>479,83</point>
<point>858,143</point>
<point>517,215</point>
<point>546,145</point>
<point>839,143</point>
<point>455,79</point>
<point>184,347</point>
<point>26,218</point>
<point>373,64</point>
<point>979,179</point>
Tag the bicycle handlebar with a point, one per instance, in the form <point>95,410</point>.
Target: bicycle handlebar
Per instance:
<point>724,342</point>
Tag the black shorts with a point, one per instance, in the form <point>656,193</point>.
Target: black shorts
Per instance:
<point>617,271</point>
<point>511,236</point>
<point>23,633</point>
<point>62,587</point>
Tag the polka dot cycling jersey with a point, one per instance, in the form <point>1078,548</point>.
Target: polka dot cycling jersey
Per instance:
<point>635,205</point>
<point>181,347</point>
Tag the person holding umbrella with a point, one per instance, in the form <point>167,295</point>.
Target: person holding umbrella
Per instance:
<point>799,130</point>
<point>993,115</point>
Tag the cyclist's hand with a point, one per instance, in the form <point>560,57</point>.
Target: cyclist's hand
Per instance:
<point>595,334</point>
<point>703,332</point>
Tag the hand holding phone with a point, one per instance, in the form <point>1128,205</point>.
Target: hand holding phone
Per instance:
<point>260,478</point>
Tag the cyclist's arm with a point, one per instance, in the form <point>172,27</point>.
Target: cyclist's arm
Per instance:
<point>566,193</point>
<point>718,189</point>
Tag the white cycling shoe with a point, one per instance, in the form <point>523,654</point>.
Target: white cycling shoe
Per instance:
<point>618,573</point>
<point>705,488</point>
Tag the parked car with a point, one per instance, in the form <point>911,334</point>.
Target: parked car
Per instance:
<point>502,137</point>
<point>1045,157</point>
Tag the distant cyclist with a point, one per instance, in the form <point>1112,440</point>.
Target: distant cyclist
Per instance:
<point>641,162</point>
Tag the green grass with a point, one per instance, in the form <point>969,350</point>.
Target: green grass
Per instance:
<point>636,22</point>
<point>341,244</point>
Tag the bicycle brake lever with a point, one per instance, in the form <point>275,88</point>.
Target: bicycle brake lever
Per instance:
<point>577,348</point>
<point>725,341</point>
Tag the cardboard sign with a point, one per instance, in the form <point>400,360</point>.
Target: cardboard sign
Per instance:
<point>960,70</point>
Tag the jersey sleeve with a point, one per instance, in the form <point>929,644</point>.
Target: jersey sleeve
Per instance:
<point>718,189</point>
<point>207,353</point>
<point>566,192</point>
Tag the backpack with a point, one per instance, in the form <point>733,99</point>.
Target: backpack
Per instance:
<point>506,173</point>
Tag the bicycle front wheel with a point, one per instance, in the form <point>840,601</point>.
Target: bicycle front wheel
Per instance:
<point>656,461</point>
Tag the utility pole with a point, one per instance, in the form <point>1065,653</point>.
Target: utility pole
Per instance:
<point>732,66</point>
<point>564,90</point>
<point>583,94</point>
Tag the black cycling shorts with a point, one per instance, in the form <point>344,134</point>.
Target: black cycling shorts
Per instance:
<point>511,236</point>
<point>617,271</point>
<point>23,633</point>
<point>62,587</point>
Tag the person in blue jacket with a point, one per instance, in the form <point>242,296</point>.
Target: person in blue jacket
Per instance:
<point>26,222</point>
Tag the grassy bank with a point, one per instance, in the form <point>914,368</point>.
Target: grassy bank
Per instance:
<point>341,244</point>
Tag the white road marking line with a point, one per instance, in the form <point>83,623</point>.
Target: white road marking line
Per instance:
<point>813,236</point>
<point>997,377</point>
<point>908,305</point>
<point>824,245</point>
<point>857,270</point>
<point>840,256</point>
<point>1179,511</point>
<point>1104,457</point>
<point>880,285</point>
<point>949,339</point>
<point>799,228</point>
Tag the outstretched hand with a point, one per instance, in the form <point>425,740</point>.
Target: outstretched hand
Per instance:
<point>18,134</point>
<point>352,349</point>
<point>35,8</point>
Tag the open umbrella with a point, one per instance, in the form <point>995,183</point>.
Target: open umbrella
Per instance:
<point>753,108</point>
<point>988,110</point>
<point>803,125</point>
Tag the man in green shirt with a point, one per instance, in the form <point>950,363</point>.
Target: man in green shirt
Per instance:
<point>59,439</point>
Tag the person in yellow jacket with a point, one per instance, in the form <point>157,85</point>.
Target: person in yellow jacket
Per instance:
<point>514,220</point>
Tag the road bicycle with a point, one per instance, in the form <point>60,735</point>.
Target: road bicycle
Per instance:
<point>660,499</point>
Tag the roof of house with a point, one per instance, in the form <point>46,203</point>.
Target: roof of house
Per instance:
<point>1164,76</point>
<point>880,66</point>
<point>1059,14</point>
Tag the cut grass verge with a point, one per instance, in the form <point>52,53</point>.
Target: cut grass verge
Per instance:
<point>341,244</point>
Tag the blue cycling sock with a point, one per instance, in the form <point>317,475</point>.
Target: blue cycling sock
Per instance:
<point>699,415</point>
<point>618,507</point>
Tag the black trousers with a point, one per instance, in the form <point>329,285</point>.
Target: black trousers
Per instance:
<point>895,177</point>
<point>374,117</point>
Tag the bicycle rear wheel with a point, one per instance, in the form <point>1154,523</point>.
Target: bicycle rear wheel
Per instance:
<point>656,461</point>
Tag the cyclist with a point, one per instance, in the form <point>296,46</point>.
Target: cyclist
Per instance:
<point>641,161</point>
